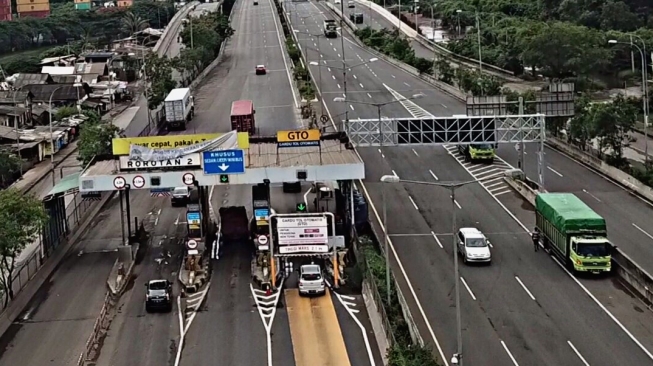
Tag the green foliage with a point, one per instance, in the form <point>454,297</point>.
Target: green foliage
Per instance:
<point>609,123</point>
<point>159,74</point>
<point>473,82</point>
<point>95,138</point>
<point>64,112</point>
<point>21,219</point>
<point>209,31</point>
<point>80,29</point>
<point>403,352</point>
<point>9,166</point>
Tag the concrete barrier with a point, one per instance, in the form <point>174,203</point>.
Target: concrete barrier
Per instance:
<point>443,51</point>
<point>444,87</point>
<point>621,178</point>
<point>162,45</point>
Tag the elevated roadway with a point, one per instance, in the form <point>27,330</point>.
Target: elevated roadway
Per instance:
<point>515,311</point>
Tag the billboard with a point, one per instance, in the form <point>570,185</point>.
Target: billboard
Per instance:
<point>302,234</point>
<point>121,146</point>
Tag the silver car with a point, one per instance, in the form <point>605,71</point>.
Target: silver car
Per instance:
<point>474,246</point>
<point>311,281</point>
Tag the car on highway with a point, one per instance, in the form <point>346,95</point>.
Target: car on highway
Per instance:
<point>260,70</point>
<point>337,1</point>
<point>350,4</point>
<point>255,2</point>
<point>473,246</point>
<point>357,18</point>
<point>311,281</point>
<point>180,196</point>
<point>158,295</point>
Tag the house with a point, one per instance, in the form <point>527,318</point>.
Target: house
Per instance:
<point>67,60</point>
<point>31,147</point>
<point>98,57</point>
<point>12,116</point>
<point>65,79</point>
<point>59,94</point>
<point>19,98</point>
<point>91,72</point>
<point>20,80</point>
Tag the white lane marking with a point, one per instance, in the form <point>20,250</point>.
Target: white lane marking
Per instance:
<point>643,231</point>
<point>408,85</point>
<point>433,175</point>
<point>467,287</point>
<point>381,152</point>
<point>368,346</point>
<point>577,353</point>
<point>415,152</point>
<point>457,204</point>
<point>340,57</point>
<point>395,174</point>
<point>354,76</point>
<point>351,106</point>
<point>443,105</point>
<point>338,86</point>
<point>525,288</point>
<point>436,239</point>
<point>593,196</point>
<point>500,193</point>
<point>362,87</point>
<point>368,94</point>
<point>328,68</point>
<point>614,319</point>
<point>554,171</point>
<point>413,202</point>
<point>394,77</point>
<point>334,77</point>
<point>514,362</point>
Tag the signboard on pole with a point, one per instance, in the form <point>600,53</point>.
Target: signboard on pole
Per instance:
<point>302,234</point>
<point>298,138</point>
<point>184,161</point>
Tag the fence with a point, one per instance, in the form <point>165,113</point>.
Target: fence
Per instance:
<point>30,266</point>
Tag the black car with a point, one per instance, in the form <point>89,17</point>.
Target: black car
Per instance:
<point>357,18</point>
<point>158,295</point>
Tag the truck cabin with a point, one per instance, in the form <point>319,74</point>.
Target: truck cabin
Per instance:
<point>589,246</point>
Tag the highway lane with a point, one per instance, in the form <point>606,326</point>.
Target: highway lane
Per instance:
<point>542,345</point>
<point>627,215</point>
<point>227,327</point>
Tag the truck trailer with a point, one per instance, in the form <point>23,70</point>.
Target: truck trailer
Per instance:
<point>242,116</point>
<point>179,108</point>
<point>573,232</point>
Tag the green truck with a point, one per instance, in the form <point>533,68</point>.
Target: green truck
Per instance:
<point>573,232</point>
<point>478,152</point>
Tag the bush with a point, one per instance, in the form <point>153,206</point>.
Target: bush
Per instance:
<point>402,352</point>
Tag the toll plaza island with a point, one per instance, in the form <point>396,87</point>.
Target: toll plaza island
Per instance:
<point>301,195</point>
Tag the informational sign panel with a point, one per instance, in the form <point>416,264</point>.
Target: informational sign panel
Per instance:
<point>193,218</point>
<point>298,138</point>
<point>262,215</point>
<point>223,162</point>
<point>186,161</point>
<point>302,234</point>
<point>120,146</point>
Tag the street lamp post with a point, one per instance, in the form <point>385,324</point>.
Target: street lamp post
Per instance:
<point>387,179</point>
<point>457,357</point>
<point>478,34</point>
<point>16,128</point>
<point>378,106</point>
<point>52,133</point>
<point>458,16</point>
<point>644,92</point>
<point>646,97</point>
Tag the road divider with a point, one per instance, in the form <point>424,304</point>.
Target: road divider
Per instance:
<point>634,276</point>
<point>444,87</point>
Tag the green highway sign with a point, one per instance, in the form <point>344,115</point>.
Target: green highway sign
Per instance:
<point>224,178</point>
<point>301,207</point>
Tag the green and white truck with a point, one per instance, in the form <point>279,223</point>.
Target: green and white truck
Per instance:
<point>576,234</point>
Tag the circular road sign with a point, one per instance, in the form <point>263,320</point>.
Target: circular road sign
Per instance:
<point>262,239</point>
<point>324,118</point>
<point>192,244</point>
<point>188,179</point>
<point>139,181</point>
<point>119,182</point>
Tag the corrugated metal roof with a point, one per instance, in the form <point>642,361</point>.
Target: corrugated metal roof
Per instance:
<point>26,79</point>
<point>332,152</point>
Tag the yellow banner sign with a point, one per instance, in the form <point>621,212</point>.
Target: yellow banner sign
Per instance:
<point>121,145</point>
<point>298,136</point>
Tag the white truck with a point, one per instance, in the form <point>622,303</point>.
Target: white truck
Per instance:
<point>179,108</point>
<point>330,28</point>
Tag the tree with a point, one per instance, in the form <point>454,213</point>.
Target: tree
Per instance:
<point>95,138</point>
<point>132,23</point>
<point>159,74</point>
<point>9,166</point>
<point>64,112</point>
<point>21,219</point>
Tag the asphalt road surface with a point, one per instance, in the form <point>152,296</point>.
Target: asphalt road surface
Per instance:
<point>523,306</point>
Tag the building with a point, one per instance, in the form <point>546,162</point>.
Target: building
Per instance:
<point>83,4</point>
<point>32,8</point>
<point>5,10</point>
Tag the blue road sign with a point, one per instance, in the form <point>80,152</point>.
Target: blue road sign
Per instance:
<point>223,162</point>
<point>193,216</point>
<point>261,213</point>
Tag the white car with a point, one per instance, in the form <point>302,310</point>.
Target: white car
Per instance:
<point>337,1</point>
<point>473,246</point>
<point>311,281</point>
<point>351,4</point>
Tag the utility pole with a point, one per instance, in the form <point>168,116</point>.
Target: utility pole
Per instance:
<point>344,65</point>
